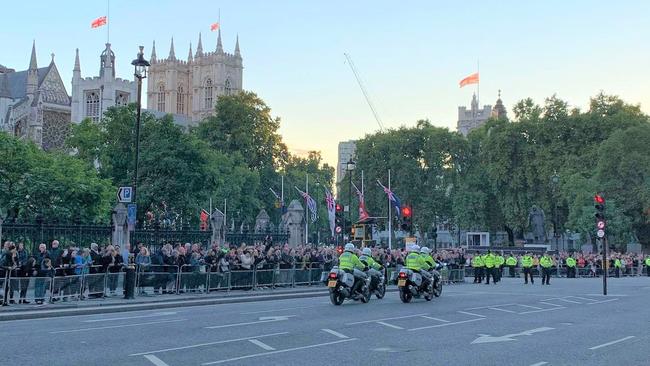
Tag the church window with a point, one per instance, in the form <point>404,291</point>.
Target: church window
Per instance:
<point>228,87</point>
<point>121,99</point>
<point>161,97</point>
<point>92,105</point>
<point>180,100</point>
<point>208,94</point>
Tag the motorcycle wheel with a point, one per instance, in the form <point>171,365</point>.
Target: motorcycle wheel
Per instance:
<point>405,295</point>
<point>381,291</point>
<point>365,295</point>
<point>437,289</point>
<point>336,298</point>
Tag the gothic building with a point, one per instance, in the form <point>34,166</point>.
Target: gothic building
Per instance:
<point>92,96</point>
<point>34,104</point>
<point>190,88</point>
<point>473,118</point>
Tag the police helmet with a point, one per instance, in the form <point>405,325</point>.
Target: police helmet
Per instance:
<point>366,251</point>
<point>425,250</point>
<point>415,248</point>
<point>349,247</point>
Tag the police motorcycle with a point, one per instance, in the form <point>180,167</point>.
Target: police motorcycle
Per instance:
<point>435,272</point>
<point>411,284</point>
<point>341,284</point>
<point>377,277</point>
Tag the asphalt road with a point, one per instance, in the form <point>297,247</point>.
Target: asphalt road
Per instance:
<point>567,323</point>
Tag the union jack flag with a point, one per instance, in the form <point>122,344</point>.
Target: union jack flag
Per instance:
<point>311,204</point>
<point>392,197</point>
<point>331,210</point>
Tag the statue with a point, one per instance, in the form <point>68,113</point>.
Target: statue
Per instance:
<point>536,223</point>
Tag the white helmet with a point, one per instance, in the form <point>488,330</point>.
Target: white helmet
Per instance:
<point>415,248</point>
<point>349,247</point>
<point>367,251</point>
<point>425,250</point>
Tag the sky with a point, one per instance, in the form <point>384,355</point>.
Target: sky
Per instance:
<point>410,55</point>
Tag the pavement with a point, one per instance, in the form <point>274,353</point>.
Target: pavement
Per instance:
<point>567,323</point>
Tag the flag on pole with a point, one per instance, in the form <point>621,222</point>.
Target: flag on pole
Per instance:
<point>331,211</point>
<point>98,22</point>
<point>392,197</point>
<point>311,204</point>
<point>363,214</point>
<point>472,79</point>
<point>204,220</point>
<point>214,26</point>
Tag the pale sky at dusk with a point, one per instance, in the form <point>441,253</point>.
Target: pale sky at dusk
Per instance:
<point>410,54</point>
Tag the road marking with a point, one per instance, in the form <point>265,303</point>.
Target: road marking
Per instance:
<point>131,317</point>
<point>541,310</point>
<point>264,319</point>
<point>473,314</point>
<point>601,295</point>
<point>569,301</point>
<point>335,333</point>
<point>530,307</point>
<point>447,324</point>
<point>489,306</point>
<point>539,364</point>
<point>504,310</point>
<point>583,298</point>
<point>611,343</point>
<point>551,304</point>
<point>438,319</point>
<point>155,360</point>
<point>485,338</point>
<point>379,320</point>
<point>261,344</point>
<point>116,326</point>
<point>207,344</point>
<point>274,310</point>
<point>278,351</point>
<point>389,325</point>
<point>602,301</point>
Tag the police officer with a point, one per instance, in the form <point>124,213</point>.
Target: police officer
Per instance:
<point>546,262</point>
<point>527,265</point>
<point>617,267</point>
<point>350,263</point>
<point>490,270</point>
<point>500,261</point>
<point>374,268</point>
<point>571,267</point>
<point>647,265</point>
<point>511,262</point>
<point>477,264</point>
<point>415,263</point>
<point>425,253</point>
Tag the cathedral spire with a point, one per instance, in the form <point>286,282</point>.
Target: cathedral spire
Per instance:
<point>32,61</point>
<point>77,66</point>
<point>189,56</point>
<point>153,52</point>
<point>199,47</point>
<point>172,54</point>
<point>237,53</point>
<point>32,73</point>
<point>219,45</point>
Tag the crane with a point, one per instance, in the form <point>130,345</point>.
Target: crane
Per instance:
<point>364,91</point>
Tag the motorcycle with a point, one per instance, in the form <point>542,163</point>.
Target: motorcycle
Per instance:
<point>377,283</point>
<point>340,284</point>
<point>410,285</point>
<point>437,281</point>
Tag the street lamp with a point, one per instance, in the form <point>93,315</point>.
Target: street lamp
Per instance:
<point>555,179</point>
<point>349,168</point>
<point>140,72</point>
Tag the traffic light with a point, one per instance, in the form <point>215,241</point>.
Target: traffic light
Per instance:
<point>600,215</point>
<point>407,218</point>
<point>339,215</point>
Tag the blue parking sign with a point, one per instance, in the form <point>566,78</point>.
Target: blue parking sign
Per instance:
<point>132,209</point>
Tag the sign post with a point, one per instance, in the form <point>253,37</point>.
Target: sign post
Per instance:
<point>125,194</point>
<point>132,210</point>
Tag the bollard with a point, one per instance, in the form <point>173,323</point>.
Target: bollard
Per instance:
<point>129,282</point>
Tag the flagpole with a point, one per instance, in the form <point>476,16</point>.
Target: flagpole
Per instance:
<point>282,196</point>
<point>210,213</point>
<point>306,209</point>
<point>108,22</point>
<point>225,211</point>
<point>478,83</point>
<point>390,218</point>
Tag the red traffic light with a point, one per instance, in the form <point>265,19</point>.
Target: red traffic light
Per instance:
<point>339,207</point>
<point>406,211</point>
<point>599,199</point>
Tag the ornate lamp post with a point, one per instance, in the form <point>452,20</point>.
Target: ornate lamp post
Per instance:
<point>140,72</point>
<point>555,179</point>
<point>349,168</point>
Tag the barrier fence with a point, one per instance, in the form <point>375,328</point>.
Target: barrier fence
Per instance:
<point>562,271</point>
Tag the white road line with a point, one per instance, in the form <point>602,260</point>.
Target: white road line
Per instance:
<point>504,310</point>
<point>551,304</point>
<point>335,333</point>
<point>489,306</point>
<point>155,360</point>
<point>379,320</point>
<point>446,324</point>
<point>283,309</point>
<point>278,351</point>
<point>530,307</point>
<point>541,310</point>
<point>601,295</point>
<point>539,364</point>
<point>116,326</point>
<point>569,301</point>
<point>610,343</point>
<point>472,314</point>
<point>270,320</point>
<point>602,301</point>
<point>582,298</point>
<point>130,317</point>
<point>389,325</point>
<point>261,344</point>
<point>438,319</point>
<point>207,344</point>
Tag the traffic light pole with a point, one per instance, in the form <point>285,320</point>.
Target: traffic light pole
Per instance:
<point>603,241</point>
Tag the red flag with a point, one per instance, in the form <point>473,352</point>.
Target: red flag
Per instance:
<point>214,26</point>
<point>204,216</point>
<point>472,79</point>
<point>98,22</point>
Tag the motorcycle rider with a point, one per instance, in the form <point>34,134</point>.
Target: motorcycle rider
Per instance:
<point>372,265</point>
<point>350,263</point>
<point>425,253</point>
<point>416,263</point>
